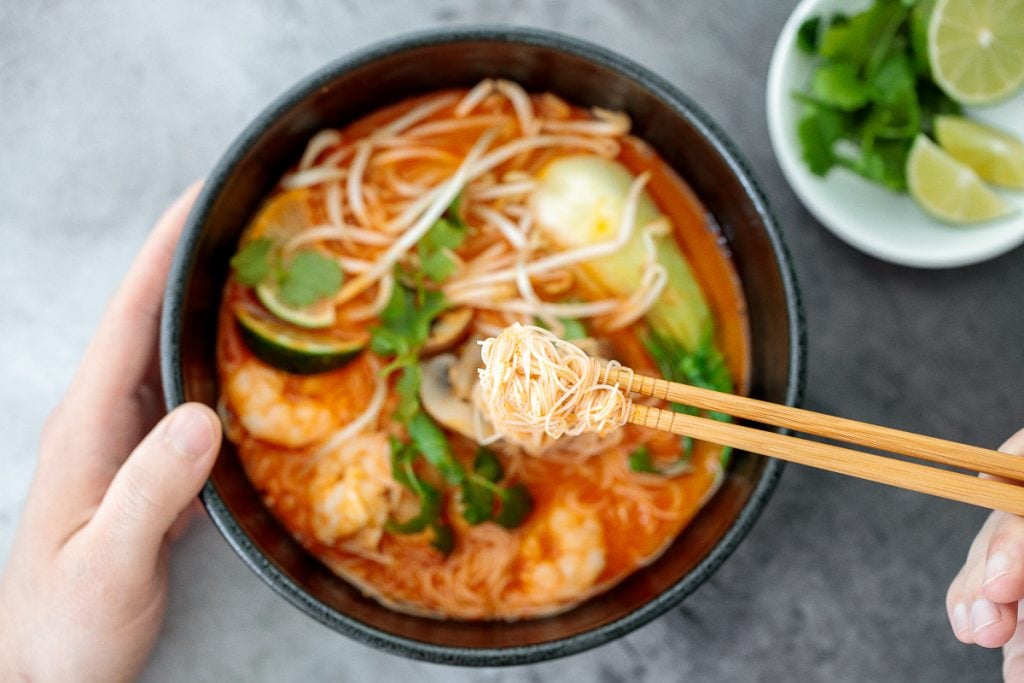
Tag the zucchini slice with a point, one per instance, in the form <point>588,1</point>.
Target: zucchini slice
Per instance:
<point>295,350</point>
<point>316,316</point>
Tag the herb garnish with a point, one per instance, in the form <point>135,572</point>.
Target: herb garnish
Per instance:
<point>871,93</point>
<point>481,491</point>
<point>403,330</point>
<point>304,279</point>
<point>704,367</point>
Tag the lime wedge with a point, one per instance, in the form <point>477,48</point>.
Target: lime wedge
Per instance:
<point>976,48</point>
<point>996,156</point>
<point>316,316</point>
<point>949,190</point>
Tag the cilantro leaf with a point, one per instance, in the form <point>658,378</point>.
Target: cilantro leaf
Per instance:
<point>838,85</point>
<point>477,501</point>
<point>894,81</point>
<point>487,465</point>
<point>572,328</point>
<point>516,505</point>
<point>310,277</point>
<point>480,492</point>
<point>640,461</point>
<point>444,235</point>
<point>429,440</point>
<point>808,36</point>
<point>405,325</point>
<point>705,367</point>
<point>408,389</point>
<point>430,499</point>
<point>444,538</point>
<point>818,131</point>
<point>855,39</point>
<point>436,265</point>
<point>252,262</point>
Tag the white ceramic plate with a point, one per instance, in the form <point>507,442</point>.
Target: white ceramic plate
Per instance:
<point>869,217</point>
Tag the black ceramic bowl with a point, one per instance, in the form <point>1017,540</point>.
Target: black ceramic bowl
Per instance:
<point>583,74</point>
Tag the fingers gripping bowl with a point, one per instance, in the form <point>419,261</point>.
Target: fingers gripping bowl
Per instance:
<point>585,76</point>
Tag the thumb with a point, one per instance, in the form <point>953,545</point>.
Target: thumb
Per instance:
<point>158,481</point>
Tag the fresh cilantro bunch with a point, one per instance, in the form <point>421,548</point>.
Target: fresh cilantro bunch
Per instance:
<point>871,92</point>
<point>303,279</point>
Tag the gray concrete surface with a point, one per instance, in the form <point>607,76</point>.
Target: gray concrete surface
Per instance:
<point>108,109</point>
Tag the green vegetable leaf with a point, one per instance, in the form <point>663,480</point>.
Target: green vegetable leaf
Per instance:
<point>454,211</point>
<point>919,16</point>
<point>430,499</point>
<point>572,328</point>
<point>934,102</point>
<point>516,505</point>
<point>705,368</point>
<point>309,277</point>
<point>444,235</point>
<point>444,538</point>
<point>480,491</point>
<point>477,501</point>
<point>885,163</point>
<point>408,390</point>
<point>808,36</point>
<point>436,265</point>
<point>429,440</point>
<point>640,461</point>
<point>818,131</point>
<point>405,325</point>
<point>855,39</point>
<point>487,465</point>
<point>894,81</point>
<point>838,85</point>
<point>252,262</point>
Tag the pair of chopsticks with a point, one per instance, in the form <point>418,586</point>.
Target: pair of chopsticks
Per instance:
<point>966,488</point>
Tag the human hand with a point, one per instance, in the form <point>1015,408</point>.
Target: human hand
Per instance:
<point>982,600</point>
<point>84,591</point>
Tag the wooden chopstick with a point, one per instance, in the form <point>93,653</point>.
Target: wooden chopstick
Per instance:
<point>989,493</point>
<point>842,429</point>
<point>966,488</point>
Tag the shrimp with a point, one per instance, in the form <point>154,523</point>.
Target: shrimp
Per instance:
<point>563,556</point>
<point>353,492</point>
<point>257,394</point>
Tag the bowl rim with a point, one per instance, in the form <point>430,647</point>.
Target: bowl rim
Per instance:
<point>173,381</point>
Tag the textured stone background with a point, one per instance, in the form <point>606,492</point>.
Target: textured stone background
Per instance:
<point>109,109</point>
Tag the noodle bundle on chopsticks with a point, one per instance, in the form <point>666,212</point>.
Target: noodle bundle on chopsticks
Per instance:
<point>536,388</point>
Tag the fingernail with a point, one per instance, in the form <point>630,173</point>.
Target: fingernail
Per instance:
<point>1000,564</point>
<point>983,614</point>
<point>190,432</point>
<point>961,622</point>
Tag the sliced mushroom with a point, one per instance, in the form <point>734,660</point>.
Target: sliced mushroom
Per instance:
<point>438,396</point>
<point>463,375</point>
<point>448,330</point>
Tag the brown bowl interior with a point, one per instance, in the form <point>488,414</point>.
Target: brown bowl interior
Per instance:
<point>540,62</point>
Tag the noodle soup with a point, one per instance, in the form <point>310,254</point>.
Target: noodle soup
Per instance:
<point>349,345</point>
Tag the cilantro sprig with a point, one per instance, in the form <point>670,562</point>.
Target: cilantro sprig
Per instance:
<point>483,499</point>
<point>704,367</point>
<point>402,467</point>
<point>870,93</point>
<point>303,279</point>
<point>403,331</point>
